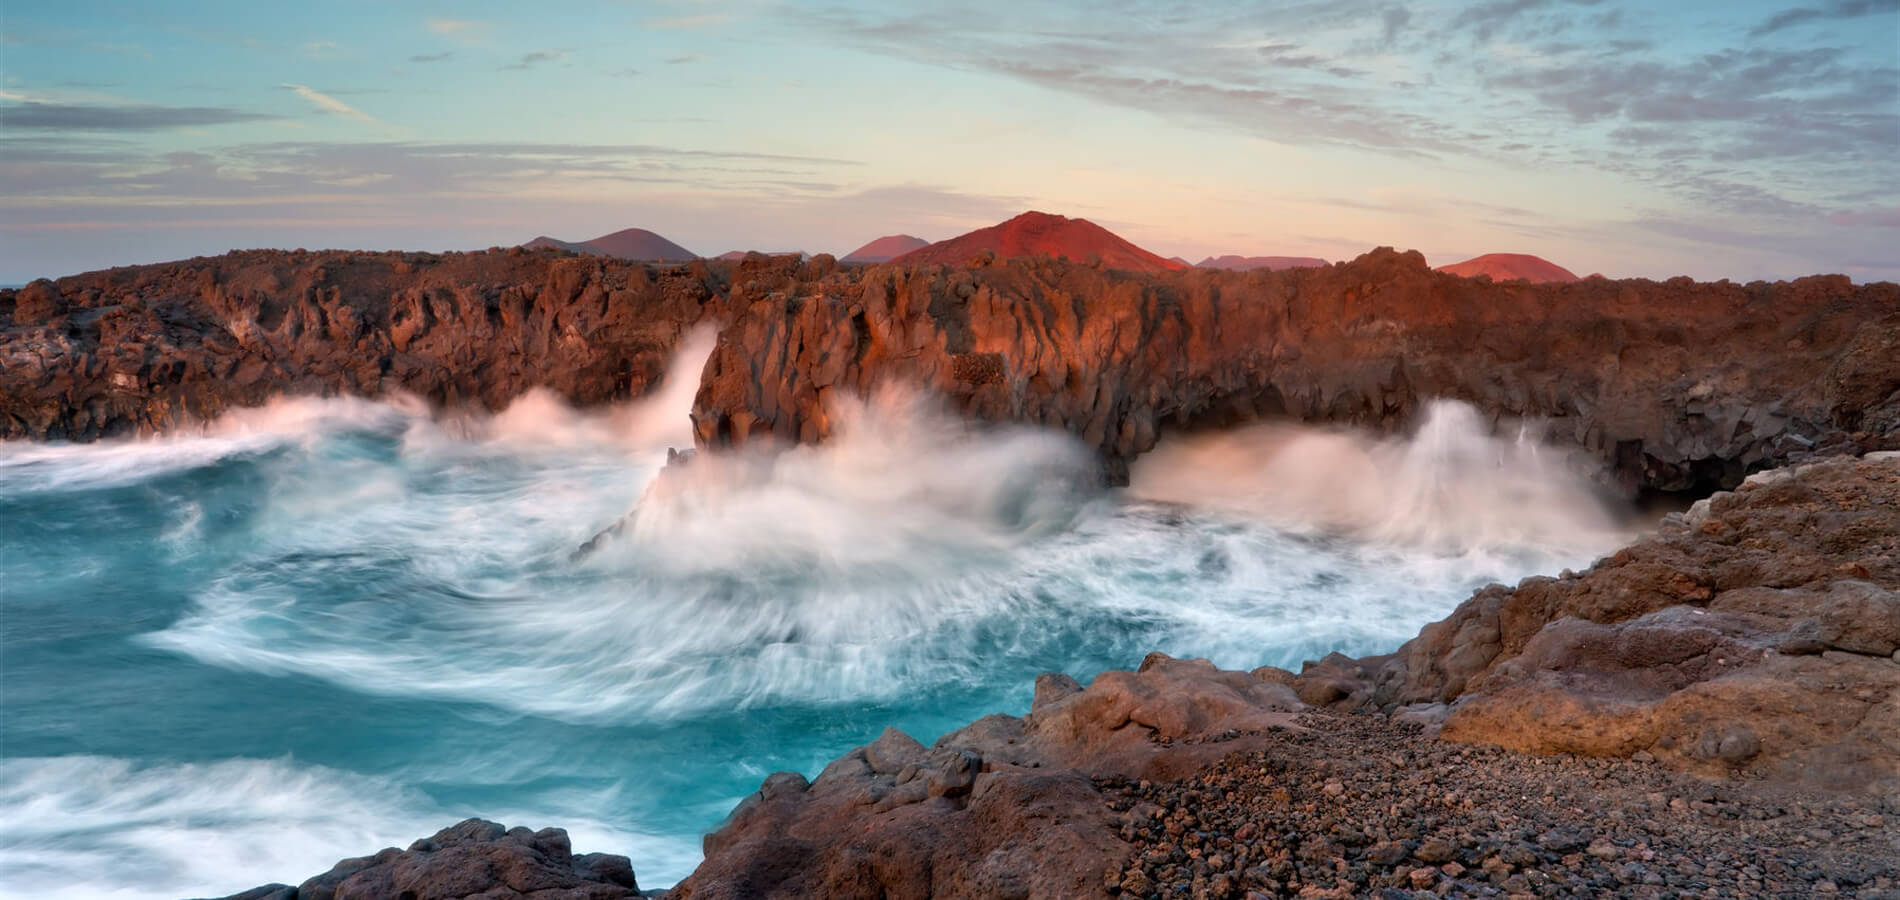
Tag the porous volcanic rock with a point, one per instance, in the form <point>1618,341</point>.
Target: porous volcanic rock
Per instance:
<point>1350,806</point>
<point>1755,635</point>
<point>476,858</point>
<point>1004,807</point>
<point>1673,385</point>
<point>136,350</point>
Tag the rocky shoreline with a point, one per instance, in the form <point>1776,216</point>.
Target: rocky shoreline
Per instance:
<point>1711,712</point>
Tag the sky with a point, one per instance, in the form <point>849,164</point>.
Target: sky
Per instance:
<point>1730,139</point>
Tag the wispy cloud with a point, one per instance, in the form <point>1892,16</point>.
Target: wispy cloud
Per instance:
<point>60,173</point>
<point>684,59</point>
<point>530,60</point>
<point>329,104</point>
<point>1774,132</point>
<point>1840,9</point>
<point>41,116</point>
<point>466,30</point>
<point>431,57</point>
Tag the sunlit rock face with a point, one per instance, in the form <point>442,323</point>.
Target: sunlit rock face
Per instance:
<point>1757,633</point>
<point>1675,385</point>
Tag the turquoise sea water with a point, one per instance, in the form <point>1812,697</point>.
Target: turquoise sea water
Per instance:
<point>310,631</point>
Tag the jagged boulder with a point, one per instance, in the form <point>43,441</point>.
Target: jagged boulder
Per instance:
<point>475,858</point>
<point>1003,807</point>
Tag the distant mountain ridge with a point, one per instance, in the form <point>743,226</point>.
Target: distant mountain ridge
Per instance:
<point>1511,267</point>
<point>627,243</point>
<point>885,249</point>
<point>1234,263</point>
<point>1042,234</point>
<point>737,255</point>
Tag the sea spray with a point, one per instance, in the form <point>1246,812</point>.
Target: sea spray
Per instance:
<point>190,829</point>
<point>900,484</point>
<point>1450,488</point>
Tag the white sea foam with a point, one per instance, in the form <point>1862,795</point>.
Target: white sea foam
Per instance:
<point>537,421</point>
<point>910,551</point>
<point>94,827</point>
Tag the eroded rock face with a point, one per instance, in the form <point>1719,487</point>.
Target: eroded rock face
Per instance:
<point>1756,634</point>
<point>1674,385</point>
<point>137,350</point>
<point>1004,807</point>
<point>476,858</point>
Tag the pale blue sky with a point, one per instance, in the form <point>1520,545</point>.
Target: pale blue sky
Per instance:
<point>1738,140</point>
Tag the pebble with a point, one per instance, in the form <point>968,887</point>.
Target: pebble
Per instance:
<point>1520,826</point>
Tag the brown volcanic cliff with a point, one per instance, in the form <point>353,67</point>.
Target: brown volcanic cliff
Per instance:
<point>1676,385</point>
<point>1041,234</point>
<point>135,350</point>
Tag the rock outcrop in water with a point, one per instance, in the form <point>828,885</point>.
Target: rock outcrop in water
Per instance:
<point>1674,385</point>
<point>476,858</point>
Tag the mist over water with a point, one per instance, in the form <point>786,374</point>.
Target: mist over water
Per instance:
<point>1450,488</point>
<point>323,627</point>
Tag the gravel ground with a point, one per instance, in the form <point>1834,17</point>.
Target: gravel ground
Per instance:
<point>1357,806</point>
